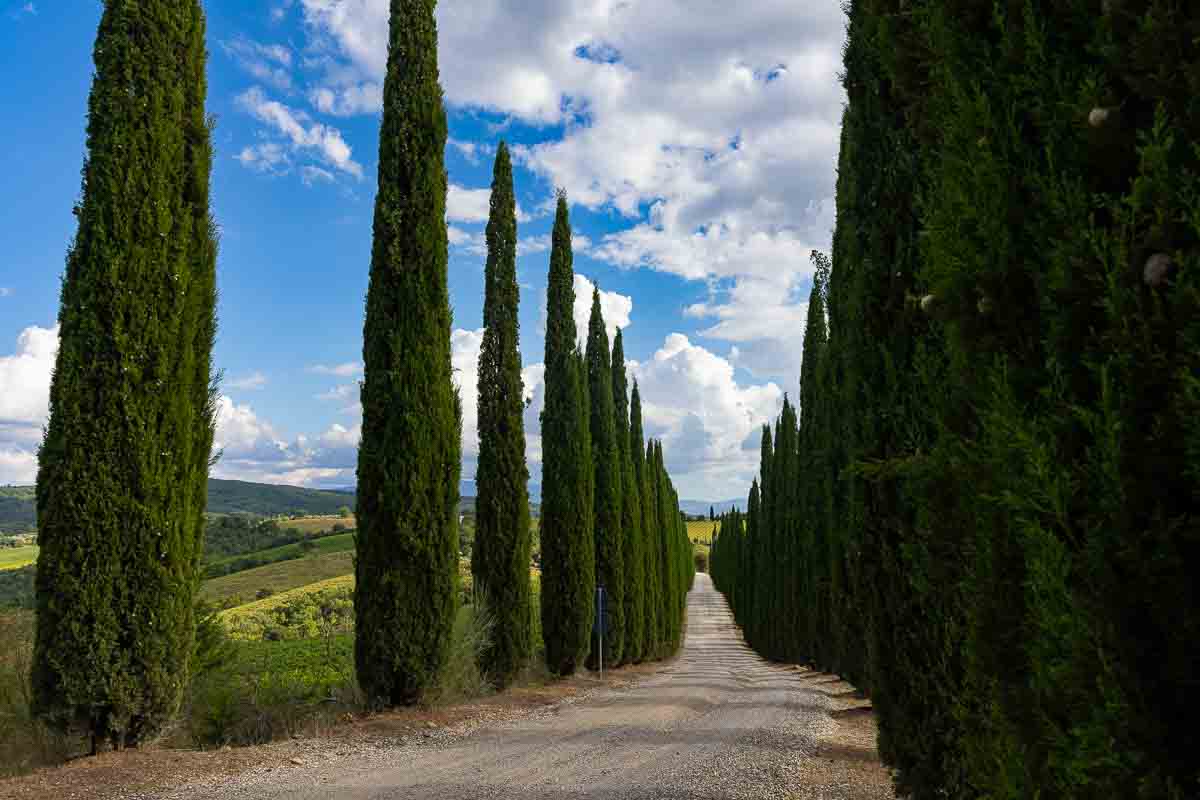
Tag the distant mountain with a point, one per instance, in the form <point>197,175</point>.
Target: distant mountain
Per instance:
<point>702,506</point>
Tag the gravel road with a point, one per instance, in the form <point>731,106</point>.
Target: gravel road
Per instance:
<point>717,722</point>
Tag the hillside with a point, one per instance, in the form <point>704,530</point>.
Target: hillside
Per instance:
<point>17,504</point>
<point>231,497</point>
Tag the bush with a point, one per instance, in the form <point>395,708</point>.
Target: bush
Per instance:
<point>270,690</point>
<point>460,678</point>
<point>24,742</point>
<point>701,561</point>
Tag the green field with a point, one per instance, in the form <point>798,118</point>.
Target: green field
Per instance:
<point>279,577</point>
<point>328,544</point>
<point>17,557</point>
<point>316,524</point>
<point>232,615</point>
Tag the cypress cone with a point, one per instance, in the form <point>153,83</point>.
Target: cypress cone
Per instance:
<point>500,558</point>
<point>610,572</point>
<point>568,557</point>
<point>409,460</point>
<point>631,514</point>
<point>122,474</point>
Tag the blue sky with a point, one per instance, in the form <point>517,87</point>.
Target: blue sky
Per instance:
<point>698,150</point>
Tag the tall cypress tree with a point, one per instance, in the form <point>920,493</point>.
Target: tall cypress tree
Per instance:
<point>122,477</point>
<point>409,458</point>
<point>631,513</point>
<point>610,572</point>
<point>500,558</point>
<point>646,547</point>
<point>568,556</point>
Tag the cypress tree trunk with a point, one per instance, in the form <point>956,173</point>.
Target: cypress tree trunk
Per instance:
<point>500,559</point>
<point>409,460</point>
<point>568,556</point>
<point>631,514</point>
<point>610,572</point>
<point>646,547</point>
<point>122,476</point>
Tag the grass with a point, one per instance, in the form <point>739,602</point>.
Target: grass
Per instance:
<point>243,587</point>
<point>316,524</point>
<point>17,557</point>
<point>340,543</point>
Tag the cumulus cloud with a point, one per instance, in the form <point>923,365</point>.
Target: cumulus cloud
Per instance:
<point>614,307</point>
<point>692,401</point>
<point>25,377</point>
<point>301,133</point>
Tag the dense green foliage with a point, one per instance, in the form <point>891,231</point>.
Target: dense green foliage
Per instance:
<point>651,571</point>
<point>568,556</point>
<point>501,550</point>
<point>18,509</point>
<point>122,472</point>
<point>409,457</point>
<point>608,480</point>
<point>991,512</point>
<point>632,557</point>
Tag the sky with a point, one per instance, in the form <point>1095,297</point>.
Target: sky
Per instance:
<point>697,142</point>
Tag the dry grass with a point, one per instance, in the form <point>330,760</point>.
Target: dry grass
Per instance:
<point>278,577</point>
<point>17,557</point>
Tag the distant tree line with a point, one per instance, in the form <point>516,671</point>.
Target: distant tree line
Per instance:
<point>984,508</point>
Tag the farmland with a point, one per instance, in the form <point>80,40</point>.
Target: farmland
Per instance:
<point>17,557</point>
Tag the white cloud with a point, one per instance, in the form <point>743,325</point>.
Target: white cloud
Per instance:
<point>301,132</point>
<point>269,63</point>
<point>345,370</point>
<point>251,382</point>
<point>312,175</point>
<point>693,403</point>
<point>726,125</point>
<point>268,157</point>
<point>615,308</point>
<point>472,205</point>
<point>347,101</point>
<point>25,377</point>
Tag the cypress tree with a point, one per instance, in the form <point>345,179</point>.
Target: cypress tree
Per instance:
<point>122,475</point>
<point>631,513</point>
<point>647,548</point>
<point>664,530</point>
<point>610,571</point>
<point>568,556</point>
<point>500,558</point>
<point>409,460</point>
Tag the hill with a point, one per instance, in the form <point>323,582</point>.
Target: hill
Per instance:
<point>267,499</point>
<point>17,504</point>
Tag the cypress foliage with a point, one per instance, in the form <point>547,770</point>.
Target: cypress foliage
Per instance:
<point>409,458</point>
<point>648,546</point>
<point>122,475</point>
<point>501,556</point>
<point>606,460</point>
<point>568,555</point>
<point>631,513</point>
<point>996,498</point>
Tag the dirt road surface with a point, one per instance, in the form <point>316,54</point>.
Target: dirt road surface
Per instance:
<point>718,722</point>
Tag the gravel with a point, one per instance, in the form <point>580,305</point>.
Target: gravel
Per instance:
<point>717,722</point>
